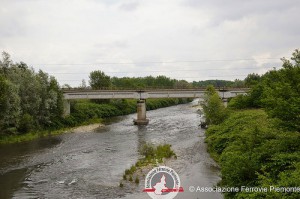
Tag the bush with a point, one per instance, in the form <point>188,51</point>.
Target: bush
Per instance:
<point>164,151</point>
<point>127,172</point>
<point>253,151</point>
<point>239,102</point>
<point>213,107</point>
<point>147,150</point>
<point>137,180</point>
<point>130,178</point>
<point>26,123</point>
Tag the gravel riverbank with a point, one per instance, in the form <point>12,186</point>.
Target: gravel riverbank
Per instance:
<point>86,128</point>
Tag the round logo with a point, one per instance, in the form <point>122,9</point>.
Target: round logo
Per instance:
<point>162,182</point>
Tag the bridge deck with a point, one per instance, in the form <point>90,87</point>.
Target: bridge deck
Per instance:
<point>145,94</point>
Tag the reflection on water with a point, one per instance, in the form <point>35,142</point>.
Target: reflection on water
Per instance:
<point>11,181</point>
<point>91,164</point>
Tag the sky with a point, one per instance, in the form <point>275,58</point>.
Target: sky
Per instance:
<point>182,39</point>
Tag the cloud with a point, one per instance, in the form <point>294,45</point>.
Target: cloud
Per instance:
<point>114,44</point>
<point>132,6</point>
<point>235,9</point>
<point>152,37</point>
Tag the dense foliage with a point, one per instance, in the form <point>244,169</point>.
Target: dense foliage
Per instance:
<point>213,107</point>
<point>159,82</point>
<point>257,145</point>
<point>252,151</point>
<point>278,92</point>
<point>219,83</point>
<point>143,82</point>
<point>27,99</point>
<point>99,80</point>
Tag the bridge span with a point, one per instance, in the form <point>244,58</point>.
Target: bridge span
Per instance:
<point>142,95</point>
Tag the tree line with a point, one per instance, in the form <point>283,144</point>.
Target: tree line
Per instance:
<point>219,83</point>
<point>99,80</point>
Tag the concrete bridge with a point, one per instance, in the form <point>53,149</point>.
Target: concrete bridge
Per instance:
<point>142,95</point>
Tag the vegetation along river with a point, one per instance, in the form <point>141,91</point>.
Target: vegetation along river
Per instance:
<point>90,164</point>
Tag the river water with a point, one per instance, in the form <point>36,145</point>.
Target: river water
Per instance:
<point>91,164</point>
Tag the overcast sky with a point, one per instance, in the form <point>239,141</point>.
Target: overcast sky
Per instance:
<point>182,39</point>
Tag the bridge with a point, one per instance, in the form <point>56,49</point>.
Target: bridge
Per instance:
<point>142,95</point>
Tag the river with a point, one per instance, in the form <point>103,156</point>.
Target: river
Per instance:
<point>91,164</point>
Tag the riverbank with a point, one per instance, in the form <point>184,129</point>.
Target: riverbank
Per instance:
<point>85,112</point>
<point>88,125</point>
<point>253,151</point>
<point>86,128</point>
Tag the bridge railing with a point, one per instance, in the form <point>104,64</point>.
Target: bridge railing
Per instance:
<point>66,90</point>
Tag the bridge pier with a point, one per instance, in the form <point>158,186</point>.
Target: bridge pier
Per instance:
<point>67,108</point>
<point>141,113</point>
<point>225,101</point>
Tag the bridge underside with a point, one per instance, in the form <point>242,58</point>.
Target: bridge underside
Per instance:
<point>141,96</point>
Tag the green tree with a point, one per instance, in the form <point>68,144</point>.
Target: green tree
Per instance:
<point>281,92</point>
<point>4,87</point>
<point>5,63</point>
<point>51,96</point>
<point>162,81</point>
<point>239,102</point>
<point>252,79</point>
<point>10,106</point>
<point>98,80</point>
<point>182,84</point>
<point>27,99</point>
<point>26,123</point>
<point>3,91</point>
<point>216,83</point>
<point>213,107</point>
<point>238,83</point>
<point>28,87</point>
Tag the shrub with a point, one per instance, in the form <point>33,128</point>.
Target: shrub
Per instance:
<point>253,151</point>
<point>147,150</point>
<point>137,180</point>
<point>127,172</point>
<point>132,169</point>
<point>26,123</point>
<point>239,102</point>
<point>130,178</point>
